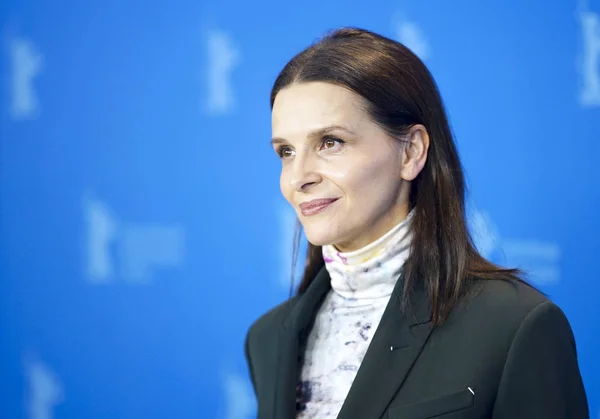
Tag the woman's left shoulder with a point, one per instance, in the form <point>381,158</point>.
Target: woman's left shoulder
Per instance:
<point>511,291</point>
<point>503,300</point>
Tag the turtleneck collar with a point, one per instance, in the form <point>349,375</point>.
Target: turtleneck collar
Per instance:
<point>372,271</point>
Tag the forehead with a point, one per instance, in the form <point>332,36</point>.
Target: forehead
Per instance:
<point>304,107</point>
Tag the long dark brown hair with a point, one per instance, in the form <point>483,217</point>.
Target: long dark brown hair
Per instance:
<point>400,92</point>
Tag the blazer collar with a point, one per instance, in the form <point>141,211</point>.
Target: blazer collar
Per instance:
<point>293,331</point>
<point>394,348</point>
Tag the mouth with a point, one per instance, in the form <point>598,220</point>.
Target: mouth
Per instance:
<point>316,206</point>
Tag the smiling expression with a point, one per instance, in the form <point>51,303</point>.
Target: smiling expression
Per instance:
<point>341,172</point>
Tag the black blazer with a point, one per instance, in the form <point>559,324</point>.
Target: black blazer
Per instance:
<point>506,352</point>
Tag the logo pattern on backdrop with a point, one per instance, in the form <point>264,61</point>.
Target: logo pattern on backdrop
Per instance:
<point>26,63</point>
<point>589,59</point>
<point>130,251</point>
<point>223,57</point>
<point>539,259</point>
<point>44,389</point>
<point>239,397</point>
<point>411,35</point>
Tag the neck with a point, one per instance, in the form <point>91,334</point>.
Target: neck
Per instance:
<point>371,271</point>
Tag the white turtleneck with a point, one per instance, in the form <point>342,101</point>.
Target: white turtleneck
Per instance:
<point>362,282</point>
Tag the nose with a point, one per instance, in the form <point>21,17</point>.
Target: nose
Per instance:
<point>303,175</point>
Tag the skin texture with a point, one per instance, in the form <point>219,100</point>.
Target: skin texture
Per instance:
<point>331,148</point>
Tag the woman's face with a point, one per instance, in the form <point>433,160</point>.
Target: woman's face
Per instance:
<point>340,171</point>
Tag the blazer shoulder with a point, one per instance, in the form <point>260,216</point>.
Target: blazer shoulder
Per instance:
<point>508,292</point>
<point>261,342</point>
<point>270,321</point>
<point>503,301</point>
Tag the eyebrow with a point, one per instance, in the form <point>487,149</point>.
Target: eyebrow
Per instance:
<point>314,134</point>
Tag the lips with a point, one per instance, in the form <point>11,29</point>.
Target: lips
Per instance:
<point>316,205</point>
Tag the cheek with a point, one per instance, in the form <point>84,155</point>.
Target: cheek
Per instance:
<point>361,180</point>
<point>284,186</point>
<point>370,183</point>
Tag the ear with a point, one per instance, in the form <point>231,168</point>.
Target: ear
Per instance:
<point>415,152</point>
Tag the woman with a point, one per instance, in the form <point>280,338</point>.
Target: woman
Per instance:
<point>397,315</point>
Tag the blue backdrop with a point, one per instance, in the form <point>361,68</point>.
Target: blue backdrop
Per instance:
<point>141,224</point>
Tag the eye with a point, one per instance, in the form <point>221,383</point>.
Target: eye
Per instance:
<point>330,142</point>
<point>284,152</point>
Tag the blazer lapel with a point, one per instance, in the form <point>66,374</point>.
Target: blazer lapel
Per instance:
<point>396,345</point>
<point>293,332</point>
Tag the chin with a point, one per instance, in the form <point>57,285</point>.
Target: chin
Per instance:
<point>319,237</point>
<point>319,242</point>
